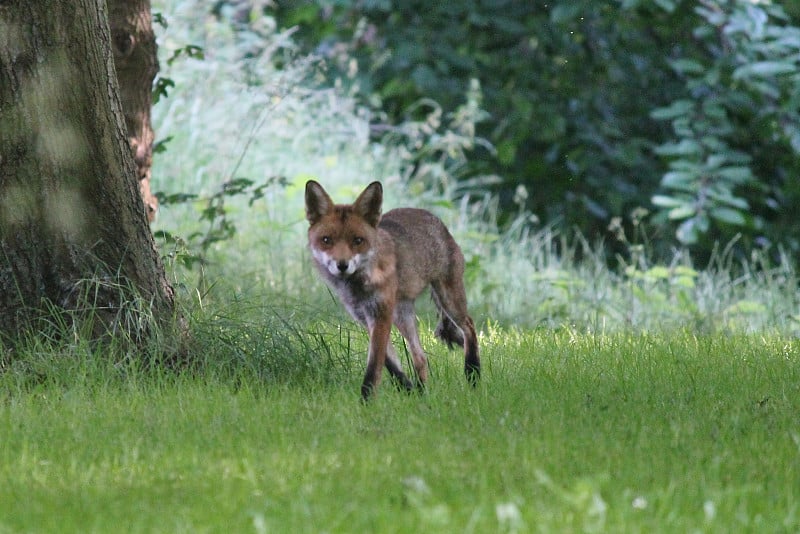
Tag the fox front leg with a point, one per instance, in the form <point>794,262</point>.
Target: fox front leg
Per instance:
<point>379,333</point>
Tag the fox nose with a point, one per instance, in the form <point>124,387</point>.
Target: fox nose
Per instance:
<point>342,266</point>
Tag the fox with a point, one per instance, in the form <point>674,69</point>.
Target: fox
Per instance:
<point>378,264</point>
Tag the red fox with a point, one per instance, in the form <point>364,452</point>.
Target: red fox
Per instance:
<point>378,266</point>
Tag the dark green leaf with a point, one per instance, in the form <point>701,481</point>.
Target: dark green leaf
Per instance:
<point>664,201</point>
<point>687,66</point>
<point>161,88</point>
<point>160,146</point>
<point>682,212</point>
<point>738,175</point>
<point>765,69</point>
<point>159,19</point>
<point>687,232</point>
<point>728,216</point>
<point>679,108</point>
<point>175,198</point>
<point>686,147</point>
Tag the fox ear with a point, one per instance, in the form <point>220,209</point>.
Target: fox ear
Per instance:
<point>318,203</point>
<point>368,203</point>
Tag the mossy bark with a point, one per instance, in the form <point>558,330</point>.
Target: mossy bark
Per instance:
<point>74,234</point>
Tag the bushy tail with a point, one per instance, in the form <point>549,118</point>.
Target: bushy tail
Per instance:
<point>446,330</point>
<point>449,333</point>
<point>453,333</point>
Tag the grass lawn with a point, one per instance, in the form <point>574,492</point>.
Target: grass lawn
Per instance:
<point>566,433</point>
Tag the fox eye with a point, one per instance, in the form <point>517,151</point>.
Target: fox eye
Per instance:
<point>358,240</point>
<point>327,240</point>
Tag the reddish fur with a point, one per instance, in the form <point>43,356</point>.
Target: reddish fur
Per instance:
<point>379,265</point>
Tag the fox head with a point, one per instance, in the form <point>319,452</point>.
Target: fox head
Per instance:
<point>342,236</point>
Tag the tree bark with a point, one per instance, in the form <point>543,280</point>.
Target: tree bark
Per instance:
<point>73,228</point>
<point>134,46</point>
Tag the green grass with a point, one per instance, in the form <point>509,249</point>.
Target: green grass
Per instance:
<point>566,433</point>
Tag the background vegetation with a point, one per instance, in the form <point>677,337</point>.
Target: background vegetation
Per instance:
<point>686,109</point>
<point>265,119</point>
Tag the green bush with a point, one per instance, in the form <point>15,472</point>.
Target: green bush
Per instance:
<point>597,108</point>
<point>736,128</point>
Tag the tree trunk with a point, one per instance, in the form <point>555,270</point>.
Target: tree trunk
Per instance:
<point>73,229</point>
<point>134,46</point>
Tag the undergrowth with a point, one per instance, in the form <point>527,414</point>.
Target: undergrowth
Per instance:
<point>244,142</point>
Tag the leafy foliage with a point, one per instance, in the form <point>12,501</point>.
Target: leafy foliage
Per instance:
<point>565,85</point>
<point>736,126</point>
<point>261,121</point>
<point>215,214</point>
<point>596,108</point>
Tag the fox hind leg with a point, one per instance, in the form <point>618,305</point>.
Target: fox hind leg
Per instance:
<point>456,325</point>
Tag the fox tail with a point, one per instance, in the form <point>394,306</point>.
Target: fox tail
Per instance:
<point>447,331</point>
